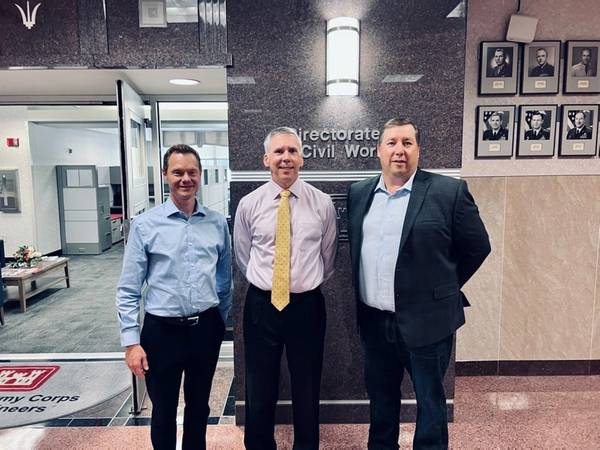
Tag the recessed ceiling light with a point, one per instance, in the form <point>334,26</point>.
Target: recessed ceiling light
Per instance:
<point>184,81</point>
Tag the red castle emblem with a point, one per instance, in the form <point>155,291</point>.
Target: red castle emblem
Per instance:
<point>24,378</point>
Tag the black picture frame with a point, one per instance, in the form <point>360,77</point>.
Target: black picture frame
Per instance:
<point>537,130</point>
<point>497,78</point>
<point>541,67</point>
<point>581,78</point>
<point>492,141</point>
<point>578,140</point>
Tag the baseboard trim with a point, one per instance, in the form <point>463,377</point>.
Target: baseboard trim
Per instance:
<point>527,368</point>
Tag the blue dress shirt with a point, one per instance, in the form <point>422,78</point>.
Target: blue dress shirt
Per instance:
<point>185,263</point>
<point>382,231</point>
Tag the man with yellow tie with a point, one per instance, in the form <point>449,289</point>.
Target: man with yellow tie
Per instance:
<point>285,242</point>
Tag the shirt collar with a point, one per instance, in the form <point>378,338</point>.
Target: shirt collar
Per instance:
<point>170,208</point>
<point>406,187</point>
<point>295,188</point>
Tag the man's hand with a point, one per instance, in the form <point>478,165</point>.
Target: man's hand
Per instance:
<point>135,358</point>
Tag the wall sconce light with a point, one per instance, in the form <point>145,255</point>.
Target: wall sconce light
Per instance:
<point>343,44</point>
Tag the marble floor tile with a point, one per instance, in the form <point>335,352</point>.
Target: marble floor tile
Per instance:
<point>490,413</point>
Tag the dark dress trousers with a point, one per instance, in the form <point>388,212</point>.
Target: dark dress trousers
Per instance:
<point>299,330</point>
<point>443,243</point>
<point>173,348</point>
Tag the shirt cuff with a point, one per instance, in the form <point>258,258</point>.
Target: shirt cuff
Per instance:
<point>130,337</point>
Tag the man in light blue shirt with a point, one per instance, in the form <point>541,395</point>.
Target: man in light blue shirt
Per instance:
<point>382,230</point>
<point>182,252</point>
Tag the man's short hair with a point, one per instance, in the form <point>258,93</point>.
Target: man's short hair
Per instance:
<point>281,130</point>
<point>182,149</point>
<point>398,122</point>
<point>542,49</point>
<point>538,113</point>
<point>500,50</point>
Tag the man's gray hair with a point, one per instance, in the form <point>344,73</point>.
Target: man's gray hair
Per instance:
<point>398,122</point>
<point>281,130</point>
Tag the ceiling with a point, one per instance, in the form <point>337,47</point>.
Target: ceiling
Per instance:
<point>101,82</point>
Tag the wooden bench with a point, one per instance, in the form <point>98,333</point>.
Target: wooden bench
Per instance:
<point>32,281</point>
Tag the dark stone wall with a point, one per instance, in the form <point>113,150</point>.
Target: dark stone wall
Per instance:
<point>281,45</point>
<point>77,33</point>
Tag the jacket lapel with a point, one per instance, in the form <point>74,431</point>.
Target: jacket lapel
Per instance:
<point>419,189</point>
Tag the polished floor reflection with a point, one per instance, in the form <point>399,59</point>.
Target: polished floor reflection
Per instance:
<point>490,412</point>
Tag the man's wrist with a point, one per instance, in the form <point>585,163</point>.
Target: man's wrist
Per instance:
<point>130,337</point>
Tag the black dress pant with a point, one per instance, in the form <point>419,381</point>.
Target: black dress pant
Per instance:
<point>386,357</point>
<point>173,350</point>
<point>300,328</point>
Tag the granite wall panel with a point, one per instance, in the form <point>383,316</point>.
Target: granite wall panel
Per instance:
<point>107,35</point>
<point>55,30</point>
<point>282,46</point>
<point>342,380</point>
<point>279,48</point>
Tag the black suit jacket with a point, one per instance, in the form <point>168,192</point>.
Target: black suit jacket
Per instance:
<point>505,70</point>
<point>502,133</point>
<point>547,70</point>
<point>542,135</point>
<point>443,243</point>
<point>585,133</point>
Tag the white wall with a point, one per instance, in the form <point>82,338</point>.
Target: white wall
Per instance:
<point>45,194</point>
<point>41,149</point>
<point>17,228</point>
<point>50,146</point>
<point>215,195</point>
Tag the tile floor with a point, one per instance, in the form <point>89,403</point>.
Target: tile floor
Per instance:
<point>560,412</point>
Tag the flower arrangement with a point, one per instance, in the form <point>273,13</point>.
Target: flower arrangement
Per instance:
<point>25,256</point>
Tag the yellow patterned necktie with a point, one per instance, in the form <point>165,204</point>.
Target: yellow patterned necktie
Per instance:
<point>280,295</point>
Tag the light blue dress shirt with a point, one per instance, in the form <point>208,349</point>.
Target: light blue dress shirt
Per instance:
<point>382,231</point>
<point>185,263</point>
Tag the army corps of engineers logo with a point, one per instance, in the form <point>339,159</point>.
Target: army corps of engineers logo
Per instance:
<point>24,378</point>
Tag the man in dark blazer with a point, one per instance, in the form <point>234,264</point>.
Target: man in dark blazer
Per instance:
<point>415,239</point>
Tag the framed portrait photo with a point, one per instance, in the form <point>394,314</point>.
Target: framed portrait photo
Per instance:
<point>581,70</point>
<point>540,67</point>
<point>537,130</point>
<point>498,68</point>
<point>579,130</point>
<point>495,131</point>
